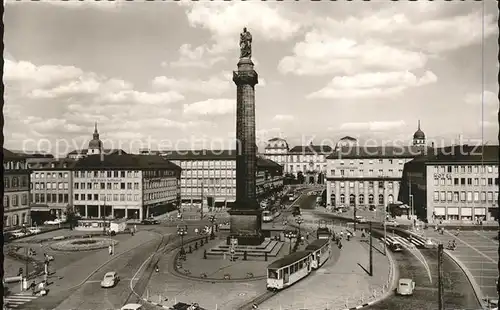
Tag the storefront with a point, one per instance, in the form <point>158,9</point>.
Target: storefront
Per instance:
<point>466,214</point>
<point>452,214</point>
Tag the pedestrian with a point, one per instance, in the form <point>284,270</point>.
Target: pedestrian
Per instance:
<point>340,245</point>
<point>110,249</point>
<point>196,231</point>
<point>33,287</point>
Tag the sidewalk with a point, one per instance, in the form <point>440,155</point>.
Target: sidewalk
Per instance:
<point>338,284</point>
<point>74,274</point>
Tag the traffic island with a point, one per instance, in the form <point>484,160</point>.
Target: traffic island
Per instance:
<point>240,266</point>
<point>83,244</point>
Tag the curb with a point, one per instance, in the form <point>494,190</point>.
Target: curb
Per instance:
<point>470,277</point>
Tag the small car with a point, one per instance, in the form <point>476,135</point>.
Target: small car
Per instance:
<point>392,223</point>
<point>34,230</point>
<point>150,221</point>
<point>360,219</point>
<point>132,307</point>
<point>405,287</point>
<point>53,222</point>
<point>296,211</point>
<point>110,279</point>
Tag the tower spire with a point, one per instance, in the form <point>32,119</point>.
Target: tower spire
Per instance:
<point>418,125</point>
<point>95,128</point>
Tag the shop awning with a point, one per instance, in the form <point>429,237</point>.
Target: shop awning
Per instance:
<point>440,211</point>
<point>452,211</point>
<point>466,211</point>
<point>479,211</point>
<point>38,207</point>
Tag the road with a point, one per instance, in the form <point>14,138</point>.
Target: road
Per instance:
<point>458,291</point>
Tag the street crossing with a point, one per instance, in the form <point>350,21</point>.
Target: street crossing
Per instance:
<point>15,301</point>
<point>407,242</point>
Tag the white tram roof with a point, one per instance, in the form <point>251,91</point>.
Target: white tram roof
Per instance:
<point>288,260</point>
<point>317,244</point>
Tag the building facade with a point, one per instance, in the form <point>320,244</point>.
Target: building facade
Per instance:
<point>366,176</point>
<point>209,177</point>
<point>51,188</point>
<point>456,183</point>
<point>16,190</point>
<point>308,161</point>
<point>125,186</point>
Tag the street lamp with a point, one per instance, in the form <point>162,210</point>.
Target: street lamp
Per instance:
<point>212,234</point>
<point>290,235</point>
<point>299,221</point>
<point>182,231</point>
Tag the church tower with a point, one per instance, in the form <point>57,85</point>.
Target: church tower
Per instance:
<point>95,145</point>
<point>419,137</point>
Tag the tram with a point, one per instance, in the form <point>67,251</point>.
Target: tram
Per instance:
<point>267,216</point>
<point>288,270</point>
<point>320,250</point>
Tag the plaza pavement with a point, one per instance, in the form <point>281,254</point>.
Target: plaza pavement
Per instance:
<point>339,284</point>
<point>478,252</point>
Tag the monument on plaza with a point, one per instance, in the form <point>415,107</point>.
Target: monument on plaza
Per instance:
<point>245,215</point>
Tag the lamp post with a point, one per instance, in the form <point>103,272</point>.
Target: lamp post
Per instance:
<point>299,221</point>
<point>182,231</point>
<point>212,233</point>
<point>289,235</point>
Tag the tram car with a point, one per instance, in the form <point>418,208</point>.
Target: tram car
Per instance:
<point>321,251</point>
<point>323,233</point>
<point>290,269</point>
<point>267,216</point>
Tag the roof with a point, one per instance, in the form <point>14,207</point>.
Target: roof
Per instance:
<point>104,151</point>
<point>58,164</point>
<point>276,139</point>
<point>317,244</point>
<point>125,161</point>
<point>419,134</point>
<point>348,138</point>
<point>10,155</point>
<point>214,155</point>
<point>311,149</point>
<point>32,154</point>
<point>288,260</point>
<point>460,154</point>
<point>388,151</point>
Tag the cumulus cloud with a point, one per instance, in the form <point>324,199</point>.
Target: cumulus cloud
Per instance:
<point>372,126</point>
<point>264,20</point>
<point>487,98</point>
<point>211,107</point>
<point>215,85</point>
<point>283,117</point>
<point>370,85</point>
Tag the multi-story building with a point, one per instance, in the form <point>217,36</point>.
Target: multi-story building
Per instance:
<point>210,176</point>
<point>16,190</point>
<point>95,147</point>
<point>455,183</point>
<point>308,161</point>
<point>125,186</point>
<point>369,176</point>
<point>51,188</point>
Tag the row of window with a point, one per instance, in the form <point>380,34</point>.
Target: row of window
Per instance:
<point>197,190</point>
<point>464,196</point>
<point>381,173</point>
<point>14,220</point>
<point>106,174</point>
<point>207,182</point>
<point>307,167</point>
<point>50,175</point>
<point>50,185</point>
<point>106,197</point>
<point>295,158</point>
<point>13,200</point>
<point>465,181</point>
<point>206,164</point>
<point>466,169</point>
<point>50,198</point>
<point>160,195</point>
<point>14,165</point>
<point>370,185</point>
<point>211,173</point>
<point>361,199</point>
<point>371,162</point>
<point>14,182</point>
<point>107,185</point>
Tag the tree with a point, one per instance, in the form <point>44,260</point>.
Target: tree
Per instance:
<point>71,217</point>
<point>300,177</point>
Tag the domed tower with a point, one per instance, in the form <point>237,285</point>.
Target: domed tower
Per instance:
<point>419,137</point>
<point>95,145</point>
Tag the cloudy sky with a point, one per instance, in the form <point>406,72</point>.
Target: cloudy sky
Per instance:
<point>161,72</point>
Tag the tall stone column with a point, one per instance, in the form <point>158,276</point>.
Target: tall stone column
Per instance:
<point>246,222</point>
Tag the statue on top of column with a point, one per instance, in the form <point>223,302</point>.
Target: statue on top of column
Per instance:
<point>245,44</point>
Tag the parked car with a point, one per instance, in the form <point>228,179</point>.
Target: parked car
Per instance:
<point>150,221</point>
<point>34,230</point>
<point>132,307</point>
<point>110,279</point>
<point>405,287</point>
<point>296,211</point>
<point>360,219</point>
<point>53,222</point>
<point>392,223</point>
